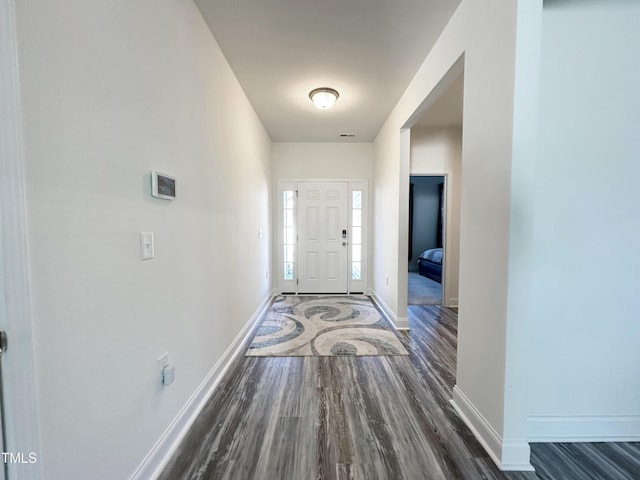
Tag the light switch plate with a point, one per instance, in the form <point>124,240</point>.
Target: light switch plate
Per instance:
<point>146,246</point>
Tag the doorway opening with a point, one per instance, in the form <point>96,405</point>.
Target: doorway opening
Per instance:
<point>322,236</point>
<point>427,217</point>
<point>434,144</point>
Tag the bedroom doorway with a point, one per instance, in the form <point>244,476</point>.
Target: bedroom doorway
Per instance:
<point>427,217</point>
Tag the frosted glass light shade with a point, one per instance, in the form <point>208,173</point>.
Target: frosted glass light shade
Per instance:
<point>323,98</point>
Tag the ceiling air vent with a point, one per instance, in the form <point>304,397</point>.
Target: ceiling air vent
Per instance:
<point>347,135</point>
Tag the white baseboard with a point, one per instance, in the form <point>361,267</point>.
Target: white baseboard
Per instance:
<point>584,428</point>
<point>399,323</point>
<point>157,459</point>
<point>452,302</point>
<point>508,456</point>
<point>402,323</point>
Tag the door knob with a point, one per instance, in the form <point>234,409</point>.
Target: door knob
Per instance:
<point>344,244</point>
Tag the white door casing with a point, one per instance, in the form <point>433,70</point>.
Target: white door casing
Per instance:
<point>293,225</point>
<point>322,237</point>
<point>18,389</point>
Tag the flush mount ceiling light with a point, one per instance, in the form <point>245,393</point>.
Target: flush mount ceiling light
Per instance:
<point>323,98</point>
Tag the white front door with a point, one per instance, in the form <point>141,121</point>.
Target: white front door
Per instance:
<point>322,237</point>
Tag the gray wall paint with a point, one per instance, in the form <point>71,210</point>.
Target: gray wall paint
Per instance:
<point>425,216</point>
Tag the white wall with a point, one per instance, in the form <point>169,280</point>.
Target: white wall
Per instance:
<point>438,150</point>
<point>110,91</point>
<point>322,160</point>
<point>586,264</point>
<point>488,390</point>
<point>435,149</point>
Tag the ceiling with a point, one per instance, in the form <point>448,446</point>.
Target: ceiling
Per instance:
<point>368,50</point>
<point>446,110</point>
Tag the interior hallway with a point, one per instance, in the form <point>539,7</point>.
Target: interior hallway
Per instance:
<point>385,417</point>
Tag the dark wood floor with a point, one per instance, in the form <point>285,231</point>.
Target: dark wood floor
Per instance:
<point>372,418</point>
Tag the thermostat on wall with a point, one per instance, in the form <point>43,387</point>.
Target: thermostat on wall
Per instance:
<point>163,185</point>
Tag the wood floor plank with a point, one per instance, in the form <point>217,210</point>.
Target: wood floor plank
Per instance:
<point>299,418</point>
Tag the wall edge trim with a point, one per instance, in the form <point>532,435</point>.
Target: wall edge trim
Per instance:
<point>398,323</point>
<point>583,428</point>
<point>157,459</point>
<point>507,455</point>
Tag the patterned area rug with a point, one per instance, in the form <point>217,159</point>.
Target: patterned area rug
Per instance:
<point>306,326</point>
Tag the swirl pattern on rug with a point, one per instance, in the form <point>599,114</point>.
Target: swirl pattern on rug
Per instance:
<point>324,326</point>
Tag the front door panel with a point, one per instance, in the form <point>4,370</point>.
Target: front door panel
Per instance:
<point>322,250</point>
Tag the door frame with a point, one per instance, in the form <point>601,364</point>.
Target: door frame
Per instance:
<point>291,286</point>
<point>21,429</point>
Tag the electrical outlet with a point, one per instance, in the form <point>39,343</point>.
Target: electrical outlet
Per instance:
<point>386,280</point>
<point>163,361</point>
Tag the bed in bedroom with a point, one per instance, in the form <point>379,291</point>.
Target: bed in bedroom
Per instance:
<point>430,264</point>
